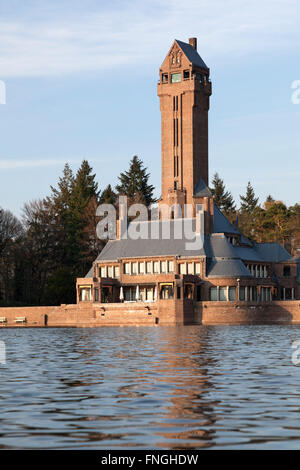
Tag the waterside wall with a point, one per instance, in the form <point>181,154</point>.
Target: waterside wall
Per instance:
<point>166,312</point>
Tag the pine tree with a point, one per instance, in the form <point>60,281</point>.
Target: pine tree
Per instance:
<point>84,186</point>
<point>269,202</point>
<point>108,196</point>
<point>84,190</point>
<point>222,198</point>
<point>249,202</point>
<point>134,183</point>
<point>61,196</point>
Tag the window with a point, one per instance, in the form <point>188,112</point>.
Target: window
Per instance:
<point>85,293</point>
<point>117,271</point>
<point>96,292</point>
<point>149,294</point>
<point>103,271</point>
<point>134,268</point>
<point>171,266</point>
<point>149,267</point>
<point>254,293</point>
<point>129,294</point>
<point>232,293</point>
<point>178,292</point>
<point>126,268</point>
<point>175,185</point>
<point>223,293</point>
<point>164,266</point>
<point>182,268</point>
<point>190,268</point>
<point>214,293</point>
<point>186,74</point>
<point>164,78</point>
<point>197,268</point>
<point>142,294</point>
<point>189,291</point>
<point>286,271</point>
<point>141,268</point>
<point>175,77</point>
<point>242,293</point>
<point>166,291</point>
<point>110,271</point>
<point>156,267</point>
<point>175,131</point>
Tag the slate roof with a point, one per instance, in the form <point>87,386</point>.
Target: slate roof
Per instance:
<point>223,258</point>
<point>202,190</point>
<point>227,268</point>
<point>191,54</point>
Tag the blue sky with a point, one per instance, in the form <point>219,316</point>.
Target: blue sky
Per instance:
<point>81,83</point>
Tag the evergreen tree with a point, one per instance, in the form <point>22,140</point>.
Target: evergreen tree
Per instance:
<point>222,198</point>
<point>134,183</point>
<point>249,202</point>
<point>84,187</point>
<point>108,196</point>
<point>269,202</point>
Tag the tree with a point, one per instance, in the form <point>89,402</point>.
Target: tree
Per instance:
<point>11,232</point>
<point>276,223</point>
<point>249,202</point>
<point>108,196</point>
<point>134,183</point>
<point>222,198</point>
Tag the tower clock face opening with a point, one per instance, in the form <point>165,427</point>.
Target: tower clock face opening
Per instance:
<point>175,77</point>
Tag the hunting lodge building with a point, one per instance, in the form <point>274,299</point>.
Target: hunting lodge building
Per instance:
<point>166,278</point>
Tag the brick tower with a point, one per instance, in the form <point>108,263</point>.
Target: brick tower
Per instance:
<point>184,89</point>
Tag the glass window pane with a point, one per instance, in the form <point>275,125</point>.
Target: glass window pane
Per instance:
<point>190,268</point>
<point>134,268</point>
<point>141,268</point>
<point>182,268</point>
<point>232,293</point>
<point>175,77</point>
<point>149,267</point>
<point>242,293</point>
<point>223,293</point>
<point>102,271</point>
<point>213,293</point>
<point>110,271</point>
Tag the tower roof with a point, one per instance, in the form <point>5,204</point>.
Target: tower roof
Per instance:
<point>192,54</point>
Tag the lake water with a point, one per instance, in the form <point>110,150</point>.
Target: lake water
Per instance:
<point>186,387</point>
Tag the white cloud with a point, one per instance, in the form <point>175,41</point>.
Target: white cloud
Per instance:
<point>74,40</point>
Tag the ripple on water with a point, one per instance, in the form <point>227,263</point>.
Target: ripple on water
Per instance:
<point>186,387</point>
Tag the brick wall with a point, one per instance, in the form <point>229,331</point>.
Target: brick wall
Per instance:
<point>241,312</point>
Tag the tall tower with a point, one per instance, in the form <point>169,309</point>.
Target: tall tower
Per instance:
<point>184,89</point>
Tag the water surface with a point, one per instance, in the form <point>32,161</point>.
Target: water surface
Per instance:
<point>188,387</point>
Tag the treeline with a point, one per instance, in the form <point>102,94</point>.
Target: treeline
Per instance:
<point>272,221</point>
<point>55,241</point>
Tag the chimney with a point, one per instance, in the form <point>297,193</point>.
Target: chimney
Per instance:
<point>193,43</point>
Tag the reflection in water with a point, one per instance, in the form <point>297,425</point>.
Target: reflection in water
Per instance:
<point>187,387</point>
